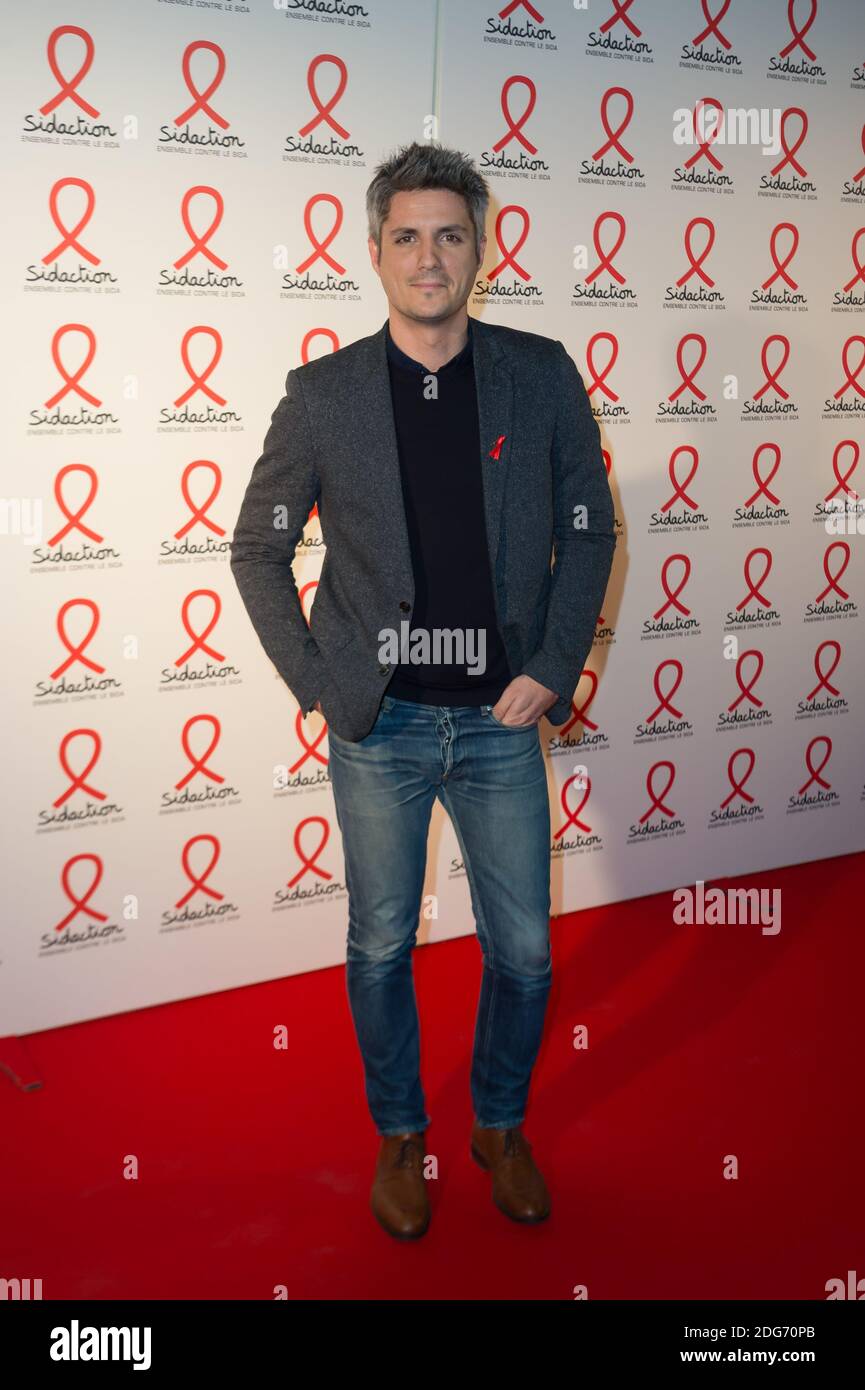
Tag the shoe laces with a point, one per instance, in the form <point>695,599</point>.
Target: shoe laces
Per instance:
<point>408,1149</point>
<point>515,1143</point>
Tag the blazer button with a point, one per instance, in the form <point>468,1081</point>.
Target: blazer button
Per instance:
<point>383,670</point>
<point>405,606</point>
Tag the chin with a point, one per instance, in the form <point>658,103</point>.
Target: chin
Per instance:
<point>433,310</point>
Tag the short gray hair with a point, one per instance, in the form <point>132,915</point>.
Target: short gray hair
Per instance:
<point>426,166</point>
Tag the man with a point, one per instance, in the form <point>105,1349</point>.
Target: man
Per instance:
<point>449,458</point>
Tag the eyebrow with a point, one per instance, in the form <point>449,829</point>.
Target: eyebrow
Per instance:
<point>451,227</point>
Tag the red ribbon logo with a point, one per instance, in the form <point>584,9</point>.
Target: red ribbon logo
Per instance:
<point>199,383</point>
<point>833,585</point>
<point>324,111</point>
<point>308,865</point>
<point>697,264</point>
<point>200,102</point>
<point>763,489</point>
<point>199,642</point>
<point>712,23</point>
<point>509,253</point>
<point>67,87</point>
<point>199,243</point>
<point>572,817</point>
<point>77,780</point>
<point>841,483</point>
<point>823,681</point>
<point>77,653</point>
<point>73,521</point>
<point>598,379</point>
<point>689,378</point>
<point>524,4</point>
<point>199,764</point>
<point>851,379</point>
<point>673,597</point>
<point>515,132</point>
<point>798,39</point>
<point>320,247</point>
<point>200,513</point>
<point>739,786</point>
<point>580,712</point>
<point>69,238</point>
<point>754,589</point>
<point>703,150</point>
<point>746,688</point>
<point>815,772</point>
<point>613,142</point>
<point>72,382</point>
<point>781,266</point>
<point>790,154</point>
<point>80,904</point>
<point>311,748</point>
<point>680,489</point>
<point>665,697</point>
<point>657,800</point>
<point>605,259</point>
<point>854,247</point>
<point>315,333</point>
<point>199,884</point>
<point>772,377</point>
<point>620,16</point>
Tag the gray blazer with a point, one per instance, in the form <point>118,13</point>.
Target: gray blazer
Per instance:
<point>332,440</point>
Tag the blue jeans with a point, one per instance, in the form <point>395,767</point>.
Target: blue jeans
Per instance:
<point>492,782</point>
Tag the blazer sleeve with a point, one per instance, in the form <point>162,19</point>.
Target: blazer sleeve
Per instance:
<point>583,556</point>
<point>279,496</point>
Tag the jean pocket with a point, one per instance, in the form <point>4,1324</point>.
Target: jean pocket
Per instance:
<point>511,728</point>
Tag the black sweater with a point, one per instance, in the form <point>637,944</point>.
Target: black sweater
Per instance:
<point>440,465</point>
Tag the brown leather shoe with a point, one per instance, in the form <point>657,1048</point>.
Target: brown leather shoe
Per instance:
<point>398,1198</point>
<point>519,1189</point>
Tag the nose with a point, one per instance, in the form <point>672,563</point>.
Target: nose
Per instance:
<point>429,257</point>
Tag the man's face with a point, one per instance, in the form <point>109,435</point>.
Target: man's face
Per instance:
<point>427,262</point>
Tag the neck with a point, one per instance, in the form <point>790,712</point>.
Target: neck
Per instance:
<point>433,344</point>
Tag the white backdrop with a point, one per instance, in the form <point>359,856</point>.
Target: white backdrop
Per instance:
<point>186,222</point>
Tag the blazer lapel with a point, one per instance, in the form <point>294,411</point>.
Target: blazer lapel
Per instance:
<point>374,430</point>
<point>495,392</point>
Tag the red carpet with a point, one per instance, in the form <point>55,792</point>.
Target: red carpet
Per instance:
<point>255,1164</point>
